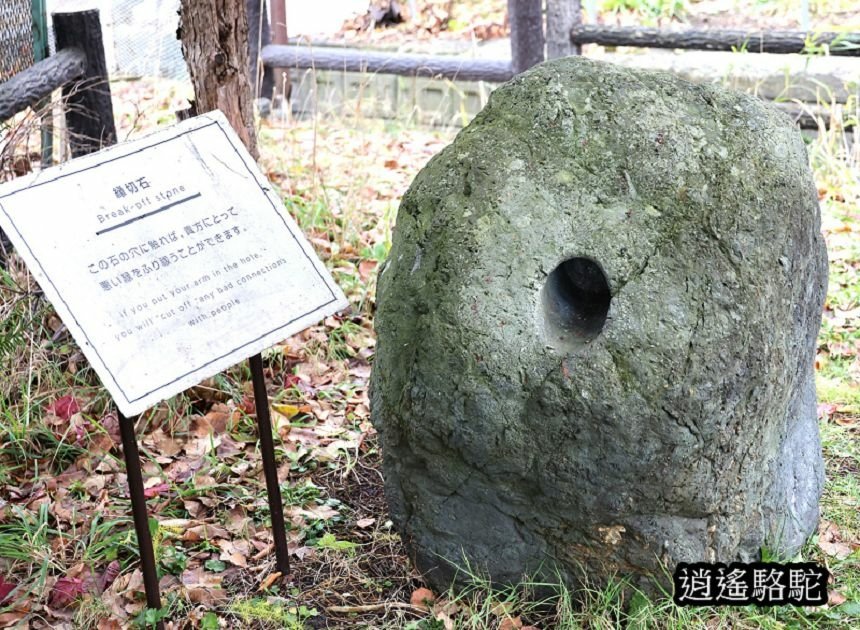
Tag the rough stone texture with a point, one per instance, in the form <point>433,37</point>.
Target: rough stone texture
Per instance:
<point>684,429</point>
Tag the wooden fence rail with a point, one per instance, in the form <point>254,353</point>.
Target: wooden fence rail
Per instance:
<point>354,60</point>
<point>780,42</point>
<point>29,86</point>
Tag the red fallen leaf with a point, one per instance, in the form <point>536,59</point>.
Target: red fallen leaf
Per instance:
<point>291,380</point>
<point>247,405</point>
<point>422,598</point>
<point>156,490</point>
<point>826,410</point>
<point>64,407</point>
<point>66,591</point>
<point>5,589</point>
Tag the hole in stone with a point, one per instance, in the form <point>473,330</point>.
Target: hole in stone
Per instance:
<point>575,303</point>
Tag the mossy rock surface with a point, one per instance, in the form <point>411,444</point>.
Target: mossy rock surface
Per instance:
<point>596,332</point>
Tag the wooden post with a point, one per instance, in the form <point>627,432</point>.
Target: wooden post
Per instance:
<point>89,111</point>
<point>262,80</point>
<point>282,84</point>
<point>527,40</point>
<point>41,50</point>
<point>561,17</point>
<point>214,36</point>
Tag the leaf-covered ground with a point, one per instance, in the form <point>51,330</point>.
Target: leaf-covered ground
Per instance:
<point>67,551</point>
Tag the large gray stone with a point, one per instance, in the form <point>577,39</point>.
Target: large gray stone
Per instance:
<point>523,426</point>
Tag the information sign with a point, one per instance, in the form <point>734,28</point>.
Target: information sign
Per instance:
<point>169,258</point>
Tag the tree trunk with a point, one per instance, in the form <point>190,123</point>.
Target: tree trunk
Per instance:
<point>214,36</point>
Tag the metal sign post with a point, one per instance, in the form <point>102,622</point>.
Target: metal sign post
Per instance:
<point>138,510</point>
<point>267,450</point>
<point>138,499</point>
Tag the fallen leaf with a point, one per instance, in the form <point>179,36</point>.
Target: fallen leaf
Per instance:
<point>366,269</point>
<point>110,574</point>
<point>845,421</point>
<point>219,418</point>
<point>206,596</point>
<point>66,591</point>
<point>288,410</point>
<point>269,580</point>
<point>511,623</point>
<point>422,598</point>
<point>365,522</point>
<point>838,550</point>
<point>5,589</point>
<point>9,619</point>
<point>835,598</point>
<point>445,618</point>
<point>164,444</point>
<point>64,407</point>
<point>826,410</point>
<point>500,609</point>
<point>156,490</point>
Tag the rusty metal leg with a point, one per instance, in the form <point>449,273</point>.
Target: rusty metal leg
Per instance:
<point>138,508</point>
<point>267,448</point>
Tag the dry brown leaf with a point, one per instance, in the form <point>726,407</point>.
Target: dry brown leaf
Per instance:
<point>220,418</point>
<point>835,598</point>
<point>838,550</point>
<point>445,618</point>
<point>206,596</point>
<point>511,623</point>
<point>500,609</point>
<point>366,269</point>
<point>828,532</point>
<point>198,447</point>
<point>164,444</point>
<point>269,580</point>
<point>365,522</point>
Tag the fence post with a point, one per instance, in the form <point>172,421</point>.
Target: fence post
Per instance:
<point>89,111</point>
<point>561,16</point>
<point>41,51</point>
<point>262,82</point>
<point>527,41</point>
<point>279,36</point>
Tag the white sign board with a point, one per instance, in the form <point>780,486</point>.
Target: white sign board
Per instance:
<point>169,258</point>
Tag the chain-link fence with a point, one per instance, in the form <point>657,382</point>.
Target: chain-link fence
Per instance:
<point>16,37</point>
<point>139,36</point>
<point>144,39</point>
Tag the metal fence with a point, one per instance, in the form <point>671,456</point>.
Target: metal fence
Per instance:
<point>139,36</point>
<point>16,37</point>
